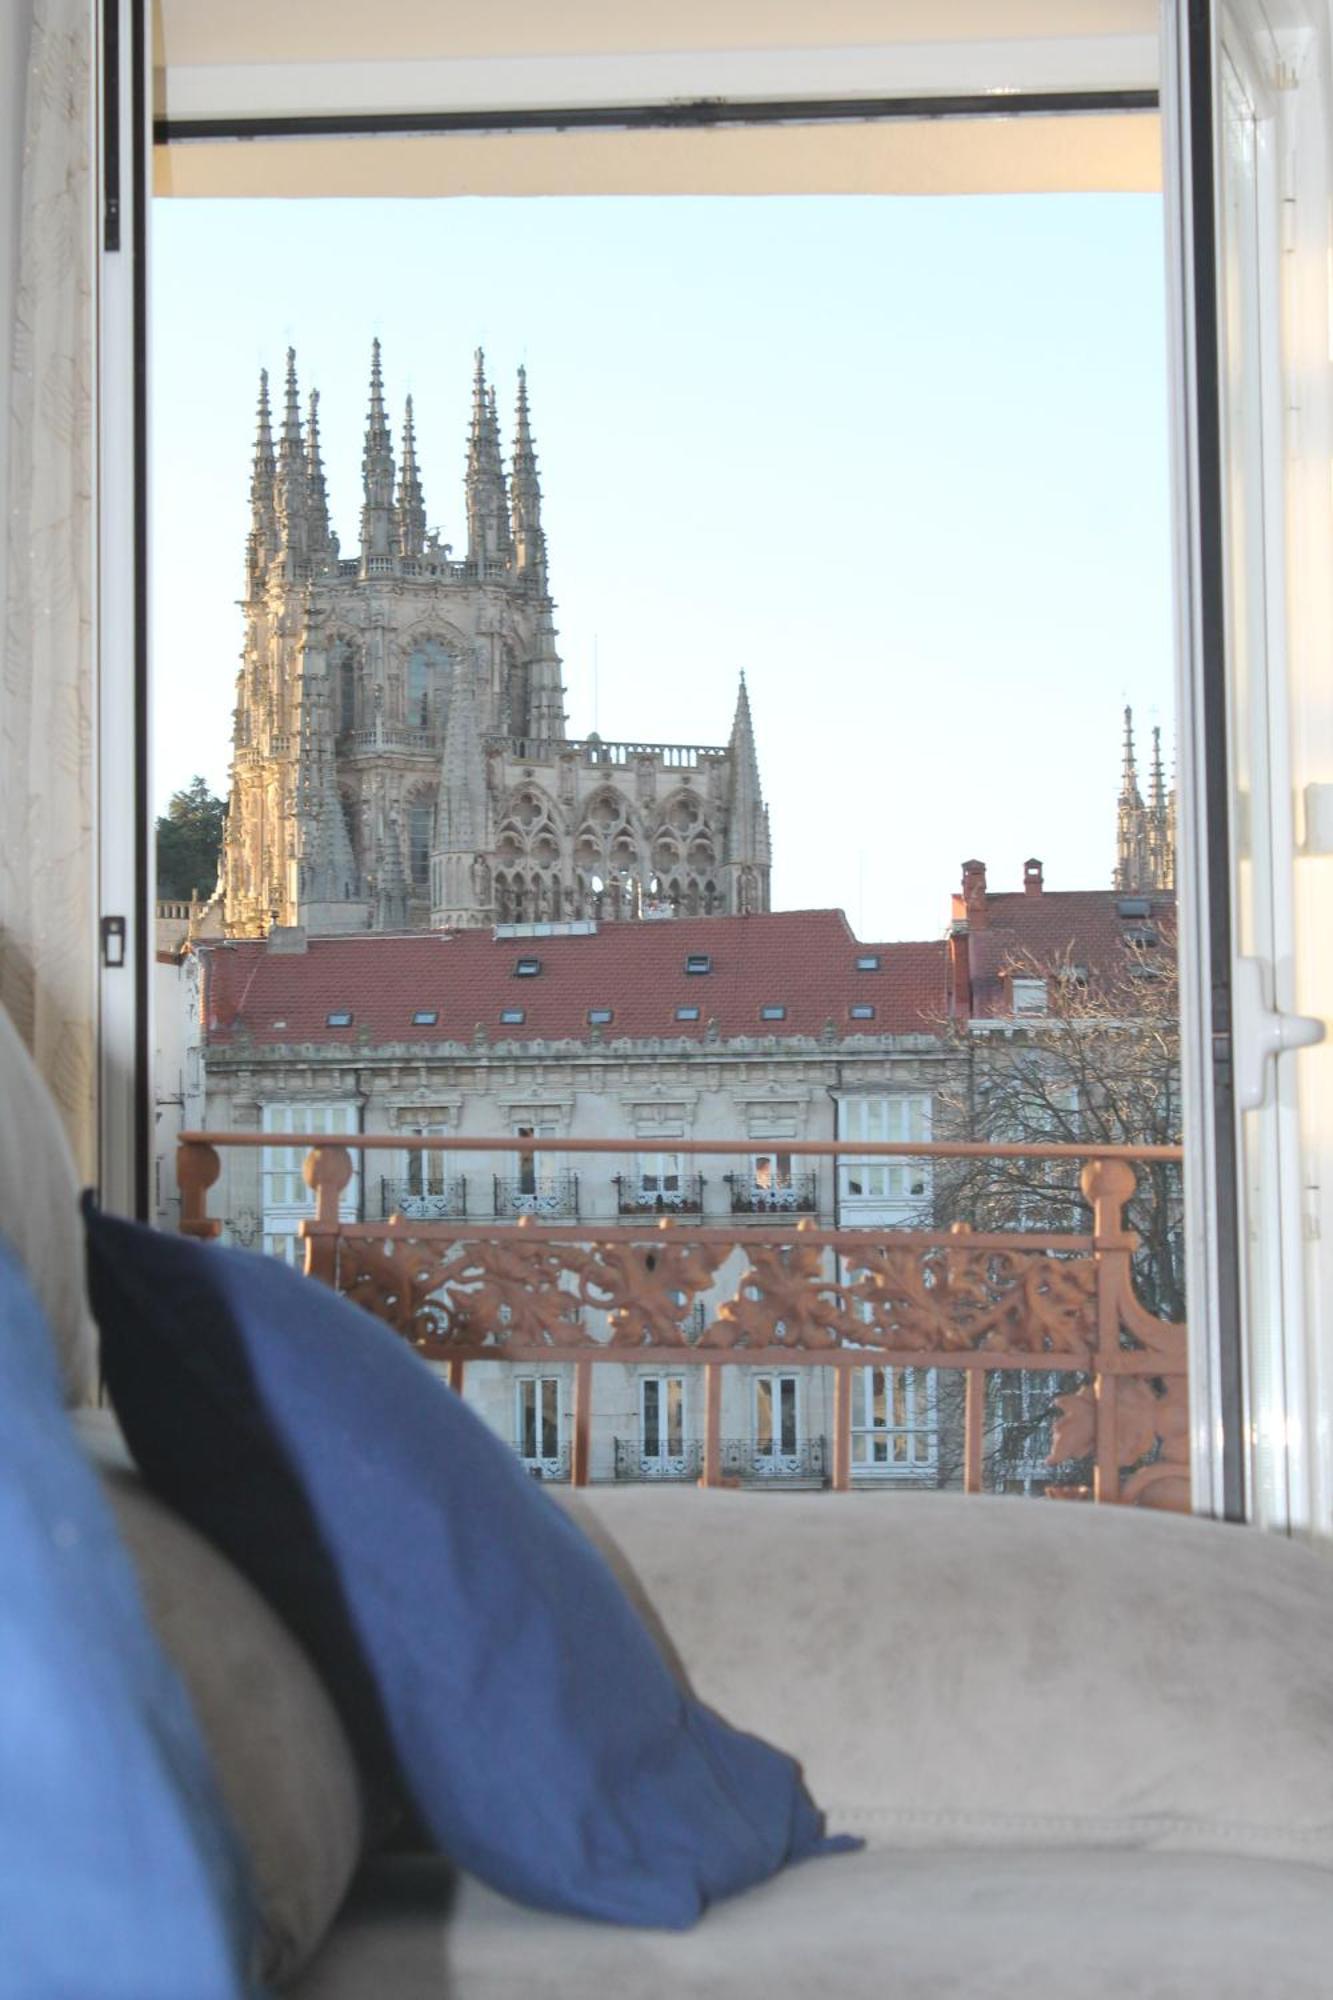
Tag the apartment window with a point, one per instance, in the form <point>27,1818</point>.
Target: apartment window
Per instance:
<point>898,1119</point>
<point>537,1415</point>
<point>895,1421</point>
<point>659,1174</point>
<point>662,1416</point>
<point>771,1173</point>
<point>777,1423</point>
<point>426,1170</point>
<point>1029,996</point>
<point>285,1199</point>
<point>533,1171</point>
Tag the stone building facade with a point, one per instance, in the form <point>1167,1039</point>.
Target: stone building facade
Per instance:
<point>401,756</point>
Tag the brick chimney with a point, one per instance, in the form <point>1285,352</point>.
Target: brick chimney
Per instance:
<point>974,893</point>
<point>1032,878</point>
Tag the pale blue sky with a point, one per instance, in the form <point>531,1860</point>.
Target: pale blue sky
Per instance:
<point>902,459</point>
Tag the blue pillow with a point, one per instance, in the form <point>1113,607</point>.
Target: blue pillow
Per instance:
<point>477,1645</point>
<point>119,1878</point>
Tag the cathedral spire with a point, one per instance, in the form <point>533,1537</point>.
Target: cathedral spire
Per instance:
<point>525,494</point>
<point>323,542</point>
<point>377,473</point>
<point>290,485</point>
<point>488,538</point>
<point>460,876</point>
<point>262,542</point>
<point>747,847</point>
<point>1145,835</point>
<point>411,504</point>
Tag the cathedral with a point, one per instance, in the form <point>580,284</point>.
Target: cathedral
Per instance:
<point>1145,833</point>
<point>400,754</point>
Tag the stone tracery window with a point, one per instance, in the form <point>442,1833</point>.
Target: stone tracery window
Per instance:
<point>427,679</point>
<point>344,674</point>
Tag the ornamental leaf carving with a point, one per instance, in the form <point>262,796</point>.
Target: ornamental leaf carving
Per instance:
<point>649,1289</point>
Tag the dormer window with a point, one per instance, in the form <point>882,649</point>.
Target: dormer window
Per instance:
<point>527,968</point>
<point>340,1017</point>
<point>1029,996</point>
<point>1133,906</point>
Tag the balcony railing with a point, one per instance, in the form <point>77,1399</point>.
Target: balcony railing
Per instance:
<point>798,1195</point>
<point>552,1465</point>
<point>633,1462</point>
<point>429,1201</point>
<point>633,1198</point>
<point>783,1294</point>
<point>549,1197</point>
<point>742,1462</point>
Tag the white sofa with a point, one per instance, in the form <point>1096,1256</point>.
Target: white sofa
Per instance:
<point>1090,1751</point>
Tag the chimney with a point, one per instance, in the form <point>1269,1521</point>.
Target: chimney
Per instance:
<point>974,893</point>
<point>1032,878</point>
<point>960,976</point>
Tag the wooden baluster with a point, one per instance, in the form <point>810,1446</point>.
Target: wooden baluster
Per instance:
<point>712,1473</point>
<point>579,1456</point>
<point>1107,1185</point>
<point>327,1170</point>
<point>197,1168</point>
<point>842,1429</point>
<point>974,1431</point>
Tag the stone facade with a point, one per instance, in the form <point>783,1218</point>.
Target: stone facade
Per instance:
<point>401,759</point>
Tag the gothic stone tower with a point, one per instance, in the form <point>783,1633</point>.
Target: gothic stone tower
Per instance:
<point>401,758</point>
<point>1145,835</point>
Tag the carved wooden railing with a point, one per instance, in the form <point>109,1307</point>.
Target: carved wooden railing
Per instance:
<point>471,1291</point>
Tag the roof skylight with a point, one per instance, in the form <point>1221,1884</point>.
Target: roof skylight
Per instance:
<point>512,1017</point>
<point>338,1017</point>
<point>425,1017</point>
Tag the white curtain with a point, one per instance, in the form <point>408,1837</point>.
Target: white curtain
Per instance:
<point>47,699</point>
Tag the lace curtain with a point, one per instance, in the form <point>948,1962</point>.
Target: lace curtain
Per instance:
<point>47,707</point>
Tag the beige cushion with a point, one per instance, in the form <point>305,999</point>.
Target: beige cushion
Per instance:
<point>282,1761</point>
<point>1000,1672</point>
<point>883,1925</point>
<point>39,1210</point>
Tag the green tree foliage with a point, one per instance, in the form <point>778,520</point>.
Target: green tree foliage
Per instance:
<point>189,841</point>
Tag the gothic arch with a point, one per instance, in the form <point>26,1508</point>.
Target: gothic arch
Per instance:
<point>418,818</point>
<point>424,665</point>
<point>346,663</point>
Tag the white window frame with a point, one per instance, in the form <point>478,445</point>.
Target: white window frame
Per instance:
<point>785,1392</point>
<point>905,1443</point>
<point>540,1390</point>
<point>904,1185</point>
<point>664,1443</point>
<point>285,1200</point>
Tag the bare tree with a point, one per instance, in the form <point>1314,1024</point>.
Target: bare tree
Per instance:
<point>1094,1059</point>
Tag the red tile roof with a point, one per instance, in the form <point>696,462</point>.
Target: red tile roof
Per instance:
<point>1087,927</point>
<point>803,960</point>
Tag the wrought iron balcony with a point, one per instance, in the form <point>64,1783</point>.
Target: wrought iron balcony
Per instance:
<point>806,1462</point>
<point>551,1467</point>
<point>547,1197</point>
<point>633,1462</point>
<point>794,1196</point>
<point>633,1198</point>
<point>431,1200</point>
